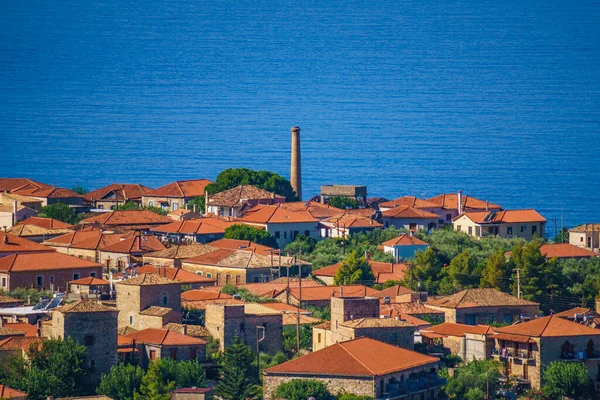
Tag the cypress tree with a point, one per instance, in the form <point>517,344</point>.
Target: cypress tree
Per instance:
<point>239,379</point>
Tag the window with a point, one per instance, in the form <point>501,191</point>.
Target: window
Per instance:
<point>150,204</point>
<point>294,234</point>
<point>174,206</point>
<point>153,355</point>
<point>76,276</point>
<point>470,230</point>
<point>412,227</point>
<point>533,229</point>
<point>199,273</point>
<point>509,230</point>
<point>237,280</point>
<point>458,227</point>
<point>165,300</point>
<point>208,275</point>
<point>193,354</point>
<point>227,279</point>
<point>173,354</point>
<point>242,327</point>
<point>471,319</point>
<point>93,274</point>
<point>319,338</point>
<point>39,280</point>
<point>277,235</point>
<point>394,337</point>
<point>131,320</point>
<point>101,207</point>
<point>387,224</point>
<point>490,318</point>
<point>448,217</point>
<point>285,234</point>
<point>306,233</point>
<point>3,282</point>
<point>88,340</point>
<point>218,279</point>
<point>51,278</point>
<point>581,239</point>
<point>508,318</point>
<point>523,227</point>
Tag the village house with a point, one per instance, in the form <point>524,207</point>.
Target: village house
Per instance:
<point>233,202</point>
<point>526,349</point>
<point>89,287</point>
<point>563,251</point>
<point>347,224</point>
<point>192,394</point>
<point>413,308</point>
<point>320,296</point>
<point>483,306</point>
<point>382,271</point>
<point>469,342</point>
<point>353,317</point>
<point>12,212</point>
<point>49,270</point>
<point>315,209</point>
<point>451,205</point>
<point>273,289</point>
<point>130,248</point>
<point>236,244</point>
<point>148,301</point>
<point>85,243</point>
<point>51,195</point>
<point>18,346</point>
<point>224,322</point>
<point>526,224</point>
<point>162,344</point>
<point>7,301</point>
<point>81,320</point>
<point>12,394</point>
<point>175,195</point>
<point>411,219</point>
<point>174,255</point>
<point>200,230</point>
<point>404,247</point>
<point>9,184</point>
<point>40,229</point>
<point>586,236</point>
<point>364,367</point>
<point>401,294</point>
<point>134,220</point>
<point>409,201</point>
<point>11,244</point>
<point>21,200</point>
<point>183,214</point>
<point>238,266</point>
<point>282,223</point>
<point>186,278</point>
<point>109,197</point>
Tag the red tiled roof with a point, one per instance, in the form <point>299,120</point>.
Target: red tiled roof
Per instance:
<point>314,208</point>
<point>411,319</point>
<point>201,304</point>
<point>246,245</point>
<point>451,329</point>
<point>273,288</point>
<point>128,217</point>
<point>586,228</point>
<point>20,342</point>
<point>551,326</point>
<point>239,194</point>
<point>9,393</point>
<point>46,193</point>
<point>394,309</point>
<point>394,291</point>
<point>43,261</point>
<point>163,337</point>
<point>120,191</point>
<point>196,226</point>
<point>350,220</point>
<point>177,274</point>
<point>565,250</point>
<point>201,295</point>
<point>450,202</point>
<point>241,259</point>
<point>480,298</point>
<point>577,310</point>
<point>8,184</point>
<point>408,201</point>
<point>90,280</point>
<point>404,240</point>
<point>136,243</point>
<point>408,212</point>
<point>275,214</point>
<point>47,223</point>
<point>147,280</point>
<point>327,292</point>
<point>383,271</point>
<point>15,244</point>
<point>358,357</point>
<point>503,217</point>
<point>187,189</point>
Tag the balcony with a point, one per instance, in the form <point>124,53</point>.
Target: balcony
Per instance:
<point>400,390</point>
<point>505,354</point>
<point>579,356</point>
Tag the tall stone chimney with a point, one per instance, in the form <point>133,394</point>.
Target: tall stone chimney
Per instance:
<point>295,166</point>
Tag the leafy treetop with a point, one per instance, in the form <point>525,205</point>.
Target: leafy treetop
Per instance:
<point>232,177</point>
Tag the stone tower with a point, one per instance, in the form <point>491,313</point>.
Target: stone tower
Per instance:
<point>296,163</point>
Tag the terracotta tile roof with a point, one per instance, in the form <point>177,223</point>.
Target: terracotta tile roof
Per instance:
<point>383,271</point>
<point>200,295</point>
<point>134,244</point>
<point>43,261</point>
<point>324,325</point>
<point>349,220</point>
<point>193,390</point>
<point>358,357</point>
<point>48,223</point>
<point>32,230</point>
<point>8,184</point>
<point>192,330</point>
<point>196,226</point>
<point>480,298</point>
<point>411,319</point>
<point>126,330</point>
<point>241,259</point>
<point>586,228</point>
<point>273,288</point>
<point>9,208</point>
<point>85,306</point>
<point>90,239</point>
<point>201,304</point>
<point>20,342</point>
<point>565,250</point>
<point>376,323</point>
<point>405,240</point>
<point>128,218</point>
<point>314,208</point>
<point>285,308</point>
<point>6,331</point>
<point>395,309</point>
<point>164,337</point>
<point>28,329</point>
<point>577,310</point>
<point>238,195</point>
<point>275,214</point>
<point>513,338</point>
<point>118,192</point>
<point>450,202</point>
<point>327,292</point>
<point>394,291</point>
<point>148,279</point>
<point>181,189</point>
<point>401,212</point>
<point>408,201</point>
<point>551,326</point>
<point>46,193</point>
<point>292,319</point>
<point>259,309</point>
<point>15,244</point>
<point>9,393</point>
<point>156,311</point>
<point>503,217</point>
<point>90,280</point>
<point>7,299</point>
<point>235,244</point>
<point>451,329</point>
<point>177,274</point>
<point>182,251</point>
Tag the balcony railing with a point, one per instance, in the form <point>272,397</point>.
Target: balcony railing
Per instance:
<point>399,390</point>
<point>508,353</point>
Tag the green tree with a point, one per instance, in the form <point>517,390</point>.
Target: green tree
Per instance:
<point>563,236</point>
<point>351,396</point>
<point>155,385</point>
<point>239,378</point>
<point>79,189</point>
<point>354,269</point>
<point>426,273</point>
<point>130,205</point>
<point>121,382</point>
<point>251,233</point>
<point>183,373</point>
<point>289,338</point>
<point>497,272</point>
<point>461,273</point>
<point>61,212</point>
<point>568,379</point>
<point>232,177</point>
<point>473,380</point>
<point>343,202</point>
<point>199,202</point>
<point>302,389</point>
<point>301,245</point>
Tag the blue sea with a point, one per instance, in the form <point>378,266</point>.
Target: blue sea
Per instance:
<point>498,98</point>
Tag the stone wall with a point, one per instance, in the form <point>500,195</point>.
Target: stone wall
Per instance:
<point>356,385</point>
<point>486,315</point>
<point>28,279</point>
<point>398,336</point>
<point>132,299</point>
<point>345,309</point>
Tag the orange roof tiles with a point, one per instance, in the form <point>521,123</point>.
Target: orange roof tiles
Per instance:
<point>90,280</point>
<point>480,298</point>
<point>43,261</point>
<point>408,201</point>
<point>394,309</point>
<point>9,393</point>
<point>201,295</point>
<point>577,310</point>
<point>565,250</point>
<point>503,217</point>
<point>450,202</point>
<point>239,194</point>
<point>9,300</point>
<point>586,228</point>
<point>8,184</point>
<point>405,240</point>
<point>177,274</point>
<point>181,189</point>
<point>46,193</point>
<point>135,244</point>
<point>235,244</point>
<point>358,357</point>
<point>394,291</point>
<point>181,251</point>
<point>201,304</point>
<point>383,271</point>
<point>451,329</point>
<point>48,223</point>
<point>196,226</point>
<point>85,306</point>
<point>127,218</point>
<point>241,259</point>
<point>408,212</point>
<point>163,337</point>
<point>20,342</point>
<point>275,214</point>
<point>327,292</point>
<point>551,326</point>
<point>314,208</point>
<point>350,220</point>
<point>273,288</point>
<point>148,279</point>
<point>14,244</point>
<point>118,192</point>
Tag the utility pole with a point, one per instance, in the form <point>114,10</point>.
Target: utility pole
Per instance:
<point>518,283</point>
<point>298,309</point>
<point>555,232</point>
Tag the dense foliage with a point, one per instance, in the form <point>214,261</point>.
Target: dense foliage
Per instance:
<point>155,385</point>
<point>121,382</point>
<point>355,269</point>
<point>61,212</point>
<point>130,205</point>
<point>473,380</point>
<point>302,389</point>
<point>239,377</point>
<point>232,177</point>
<point>289,338</point>
<point>79,189</point>
<point>24,294</point>
<point>251,233</point>
<point>568,379</point>
<point>343,202</point>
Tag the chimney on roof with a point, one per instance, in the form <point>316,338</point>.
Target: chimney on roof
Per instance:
<point>487,205</point>
<point>459,202</point>
<point>295,165</point>
<point>14,216</point>
<point>341,287</point>
<point>5,238</point>
<point>38,331</point>
<point>28,300</point>
<point>206,198</point>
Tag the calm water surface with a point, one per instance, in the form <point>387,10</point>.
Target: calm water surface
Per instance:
<point>499,99</point>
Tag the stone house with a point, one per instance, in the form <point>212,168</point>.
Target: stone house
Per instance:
<point>50,270</point>
<point>411,219</point>
<point>404,247</point>
<point>281,222</point>
<point>9,184</point>
<point>40,229</point>
<point>18,346</point>
<point>186,278</point>
<point>11,244</point>
<point>353,317</point>
<point>129,220</point>
<point>175,195</point>
<point>382,271</point>
<point>93,325</point>
<point>526,224</point>
<point>526,349</point>
<point>451,205</point>
<point>586,236</point>
<point>148,301</point>
<point>156,344</point>
<point>130,248</point>
<point>199,230</point>
<point>320,296</point>
<point>483,306</point>
<point>174,255</point>
<point>7,392</point>
<point>232,202</point>
<point>109,197</point>
<point>348,223</point>
<point>466,341</point>
<point>415,307</point>
<point>13,212</point>
<point>182,214</point>
<point>224,322</point>
<point>409,201</point>
<point>89,286</point>
<point>364,367</point>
